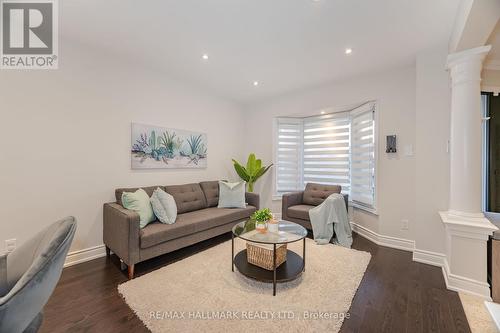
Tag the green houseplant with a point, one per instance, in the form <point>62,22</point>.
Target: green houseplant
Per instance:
<point>261,217</point>
<point>253,170</point>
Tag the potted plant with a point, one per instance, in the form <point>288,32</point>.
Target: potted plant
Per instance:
<point>253,170</point>
<point>261,217</point>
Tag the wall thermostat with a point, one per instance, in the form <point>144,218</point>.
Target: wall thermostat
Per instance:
<point>391,144</point>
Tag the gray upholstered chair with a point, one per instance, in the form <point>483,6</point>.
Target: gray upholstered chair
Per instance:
<point>295,206</point>
<point>29,274</point>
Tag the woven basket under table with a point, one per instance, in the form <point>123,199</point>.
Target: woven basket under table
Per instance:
<point>262,255</point>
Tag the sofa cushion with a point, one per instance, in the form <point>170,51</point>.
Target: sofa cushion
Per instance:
<point>299,211</point>
<point>188,197</point>
<point>192,222</point>
<point>315,194</point>
<point>211,191</point>
<point>149,190</point>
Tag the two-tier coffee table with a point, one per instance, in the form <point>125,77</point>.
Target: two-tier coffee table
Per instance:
<point>288,232</point>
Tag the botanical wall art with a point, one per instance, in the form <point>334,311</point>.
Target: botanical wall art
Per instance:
<point>157,147</point>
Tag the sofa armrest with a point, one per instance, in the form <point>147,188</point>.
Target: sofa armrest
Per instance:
<point>288,200</point>
<point>252,199</point>
<point>121,232</point>
<point>3,273</point>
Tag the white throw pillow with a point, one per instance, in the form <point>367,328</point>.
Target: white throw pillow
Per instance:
<point>164,206</point>
<point>231,195</point>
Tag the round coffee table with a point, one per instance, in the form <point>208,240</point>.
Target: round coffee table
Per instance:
<point>288,232</point>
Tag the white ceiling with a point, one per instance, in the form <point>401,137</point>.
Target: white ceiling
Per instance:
<point>286,45</point>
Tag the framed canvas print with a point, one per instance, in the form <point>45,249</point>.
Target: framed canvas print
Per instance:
<point>156,147</point>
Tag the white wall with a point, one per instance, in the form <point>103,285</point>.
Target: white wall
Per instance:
<point>65,138</point>
<point>395,93</point>
<point>432,160</point>
<point>490,78</point>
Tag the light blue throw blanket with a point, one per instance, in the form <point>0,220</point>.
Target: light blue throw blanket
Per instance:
<point>330,215</point>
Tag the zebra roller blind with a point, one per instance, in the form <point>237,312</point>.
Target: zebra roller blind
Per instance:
<point>288,155</point>
<point>326,150</point>
<point>363,156</point>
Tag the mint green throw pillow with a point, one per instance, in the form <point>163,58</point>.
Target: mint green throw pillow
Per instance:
<point>139,202</point>
<point>164,206</point>
<point>231,195</point>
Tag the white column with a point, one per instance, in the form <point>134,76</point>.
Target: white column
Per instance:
<point>467,229</point>
<point>465,150</point>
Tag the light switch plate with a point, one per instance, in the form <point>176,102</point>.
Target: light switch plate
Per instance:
<point>409,150</point>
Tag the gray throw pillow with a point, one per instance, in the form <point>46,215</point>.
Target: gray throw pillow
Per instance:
<point>164,206</point>
<point>231,195</point>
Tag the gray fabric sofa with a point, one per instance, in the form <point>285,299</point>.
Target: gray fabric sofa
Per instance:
<point>295,206</point>
<point>198,219</point>
<point>29,274</point>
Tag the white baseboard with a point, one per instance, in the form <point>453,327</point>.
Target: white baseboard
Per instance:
<point>429,258</point>
<point>465,285</point>
<point>382,240</point>
<point>77,257</point>
<point>453,282</point>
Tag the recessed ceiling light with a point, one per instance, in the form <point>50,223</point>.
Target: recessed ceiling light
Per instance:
<point>205,56</point>
<point>256,83</point>
<point>322,112</point>
<point>348,51</point>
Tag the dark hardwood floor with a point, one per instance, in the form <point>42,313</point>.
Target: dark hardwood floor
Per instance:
<point>395,295</point>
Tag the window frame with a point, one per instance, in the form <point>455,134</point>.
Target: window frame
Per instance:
<point>485,160</point>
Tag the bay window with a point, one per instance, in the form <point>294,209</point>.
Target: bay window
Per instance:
<point>336,148</point>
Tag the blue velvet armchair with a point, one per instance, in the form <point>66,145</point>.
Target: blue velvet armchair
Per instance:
<point>29,274</point>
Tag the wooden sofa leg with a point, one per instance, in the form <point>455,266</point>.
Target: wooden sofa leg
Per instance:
<point>130,272</point>
<point>108,252</point>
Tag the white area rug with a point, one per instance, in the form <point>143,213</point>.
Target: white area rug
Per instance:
<point>201,294</point>
<point>477,314</point>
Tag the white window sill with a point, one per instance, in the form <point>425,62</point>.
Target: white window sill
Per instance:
<point>364,208</point>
